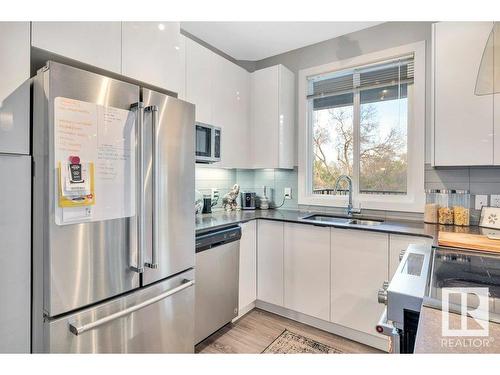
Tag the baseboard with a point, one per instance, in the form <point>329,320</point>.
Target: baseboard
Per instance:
<point>352,334</point>
<point>244,310</point>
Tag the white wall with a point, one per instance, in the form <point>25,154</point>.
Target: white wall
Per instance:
<point>380,37</point>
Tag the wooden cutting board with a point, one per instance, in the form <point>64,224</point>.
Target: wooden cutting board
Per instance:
<point>468,241</point>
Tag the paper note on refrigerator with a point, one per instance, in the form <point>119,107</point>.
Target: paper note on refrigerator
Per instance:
<point>104,136</point>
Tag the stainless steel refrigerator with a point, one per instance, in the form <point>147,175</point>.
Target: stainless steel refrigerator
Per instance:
<point>15,222</point>
<point>122,283</point>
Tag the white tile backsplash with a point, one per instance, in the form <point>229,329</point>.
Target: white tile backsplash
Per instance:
<point>479,180</point>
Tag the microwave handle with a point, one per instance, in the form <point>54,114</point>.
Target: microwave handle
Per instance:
<point>138,108</point>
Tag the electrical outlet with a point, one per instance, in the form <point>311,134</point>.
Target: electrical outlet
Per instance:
<point>481,200</point>
<point>495,200</point>
<point>288,193</point>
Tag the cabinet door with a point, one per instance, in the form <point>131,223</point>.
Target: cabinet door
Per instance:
<point>230,112</point>
<point>15,52</point>
<point>152,52</point>
<point>496,89</point>
<point>94,43</point>
<point>248,264</point>
<point>307,270</point>
<point>398,245</point>
<point>463,121</point>
<point>15,254</point>
<point>264,124</point>
<point>359,266</point>
<point>286,118</point>
<point>199,79</point>
<point>270,262</point>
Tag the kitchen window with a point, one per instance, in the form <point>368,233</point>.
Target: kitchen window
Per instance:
<point>365,121</point>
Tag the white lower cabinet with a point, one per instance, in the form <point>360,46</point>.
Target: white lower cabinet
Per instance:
<point>307,269</point>
<point>398,245</point>
<point>248,266</point>
<point>270,262</point>
<point>359,266</point>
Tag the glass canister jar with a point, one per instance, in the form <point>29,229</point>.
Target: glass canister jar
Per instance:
<point>461,208</point>
<point>431,206</point>
<point>445,206</point>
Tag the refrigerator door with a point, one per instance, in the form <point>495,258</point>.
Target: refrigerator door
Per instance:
<point>157,319</point>
<point>83,263</point>
<point>171,121</point>
<point>15,253</point>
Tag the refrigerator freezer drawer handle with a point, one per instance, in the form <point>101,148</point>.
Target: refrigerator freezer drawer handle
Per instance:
<point>78,330</point>
<point>156,189</point>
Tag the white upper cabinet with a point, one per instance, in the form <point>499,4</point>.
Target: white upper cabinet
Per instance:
<point>230,96</point>
<point>270,262</point>
<point>94,43</point>
<point>248,266</point>
<point>200,70</point>
<point>220,91</point>
<point>154,52</point>
<point>307,270</point>
<point>359,266</point>
<point>15,56</point>
<point>463,120</point>
<point>273,117</point>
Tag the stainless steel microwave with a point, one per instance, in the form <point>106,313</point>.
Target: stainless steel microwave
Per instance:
<point>207,143</point>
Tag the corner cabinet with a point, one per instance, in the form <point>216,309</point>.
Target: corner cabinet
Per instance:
<point>200,70</point>
<point>307,270</point>
<point>230,111</point>
<point>248,267</point>
<point>273,117</point>
<point>270,261</point>
<point>94,43</point>
<point>463,120</point>
<point>154,52</point>
<point>359,266</point>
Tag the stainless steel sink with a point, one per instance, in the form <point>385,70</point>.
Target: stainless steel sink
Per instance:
<point>365,222</point>
<point>327,219</point>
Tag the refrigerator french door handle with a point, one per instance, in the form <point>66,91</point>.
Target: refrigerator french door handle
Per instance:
<point>78,330</point>
<point>141,198</point>
<point>156,191</point>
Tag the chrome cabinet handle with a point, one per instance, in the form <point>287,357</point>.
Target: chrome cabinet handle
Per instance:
<point>140,198</point>
<point>156,187</point>
<point>78,330</point>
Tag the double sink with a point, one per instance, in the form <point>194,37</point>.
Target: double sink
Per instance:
<point>340,220</point>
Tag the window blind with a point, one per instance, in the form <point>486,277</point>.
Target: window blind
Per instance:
<point>396,72</point>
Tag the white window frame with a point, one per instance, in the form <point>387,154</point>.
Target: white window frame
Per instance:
<point>414,200</point>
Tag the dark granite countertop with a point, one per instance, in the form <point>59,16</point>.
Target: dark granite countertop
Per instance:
<point>221,219</point>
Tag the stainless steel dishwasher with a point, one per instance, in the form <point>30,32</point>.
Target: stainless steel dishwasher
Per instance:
<point>217,278</point>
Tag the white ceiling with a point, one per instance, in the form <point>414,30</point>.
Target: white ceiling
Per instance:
<point>257,40</point>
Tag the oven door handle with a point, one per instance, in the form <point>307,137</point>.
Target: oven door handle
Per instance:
<point>385,328</point>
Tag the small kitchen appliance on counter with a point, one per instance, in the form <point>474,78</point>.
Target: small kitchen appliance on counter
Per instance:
<point>248,201</point>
